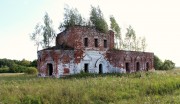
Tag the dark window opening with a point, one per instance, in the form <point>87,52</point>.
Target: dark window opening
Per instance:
<point>100,69</point>
<point>86,42</point>
<point>137,66</point>
<point>96,42</point>
<point>127,67</point>
<point>105,43</point>
<point>50,69</point>
<point>86,68</point>
<point>147,66</point>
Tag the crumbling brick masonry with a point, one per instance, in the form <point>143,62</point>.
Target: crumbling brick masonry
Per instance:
<point>81,48</point>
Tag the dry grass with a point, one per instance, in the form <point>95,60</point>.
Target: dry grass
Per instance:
<point>10,74</point>
<point>136,88</point>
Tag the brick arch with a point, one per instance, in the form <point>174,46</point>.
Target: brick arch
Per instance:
<point>137,66</point>
<point>148,63</point>
<point>147,66</point>
<point>127,63</point>
<point>138,58</point>
<point>128,58</point>
<point>65,59</point>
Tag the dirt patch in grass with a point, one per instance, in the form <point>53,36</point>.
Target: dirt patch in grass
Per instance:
<point>10,74</point>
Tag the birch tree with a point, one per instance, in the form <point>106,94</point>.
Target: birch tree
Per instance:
<point>117,30</point>
<point>43,34</point>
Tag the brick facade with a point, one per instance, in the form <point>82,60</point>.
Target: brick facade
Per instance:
<point>81,48</point>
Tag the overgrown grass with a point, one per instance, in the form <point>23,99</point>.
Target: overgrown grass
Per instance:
<point>143,87</point>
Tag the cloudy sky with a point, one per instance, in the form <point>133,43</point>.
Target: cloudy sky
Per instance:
<point>157,20</point>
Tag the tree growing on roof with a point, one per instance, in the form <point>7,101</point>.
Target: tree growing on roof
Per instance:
<point>72,17</point>
<point>117,31</point>
<point>130,38</point>
<point>48,31</point>
<point>35,36</point>
<point>43,34</point>
<point>97,19</point>
<point>132,42</point>
<point>143,44</point>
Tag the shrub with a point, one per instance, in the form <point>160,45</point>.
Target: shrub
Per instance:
<point>168,65</point>
<point>34,63</point>
<point>4,69</point>
<point>12,68</point>
<point>20,69</point>
<point>31,70</point>
<point>28,99</point>
<point>15,66</point>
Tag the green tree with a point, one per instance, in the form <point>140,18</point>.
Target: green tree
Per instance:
<point>117,30</point>
<point>6,62</point>
<point>168,65</point>
<point>138,44</point>
<point>132,42</point>
<point>48,31</point>
<point>143,44</point>
<point>24,62</point>
<point>34,63</point>
<point>72,17</point>
<point>4,69</point>
<point>16,66</point>
<point>157,63</point>
<point>43,34</point>
<point>36,35</point>
<point>130,39</point>
<point>97,19</point>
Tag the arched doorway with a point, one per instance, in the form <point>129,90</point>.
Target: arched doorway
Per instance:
<point>127,67</point>
<point>147,66</point>
<point>100,69</point>
<point>137,66</point>
<point>49,69</point>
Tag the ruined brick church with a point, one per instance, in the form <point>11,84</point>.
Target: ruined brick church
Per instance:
<point>82,48</point>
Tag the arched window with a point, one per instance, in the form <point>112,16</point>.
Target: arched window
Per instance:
<point>100,69</point>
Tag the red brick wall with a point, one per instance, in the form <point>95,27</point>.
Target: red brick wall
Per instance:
<point>54,57</point>
<point>119,58</point>
<point>111,39</point>
<point>74,37</point>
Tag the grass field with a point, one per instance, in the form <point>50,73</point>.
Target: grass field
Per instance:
<point>158,87</point>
